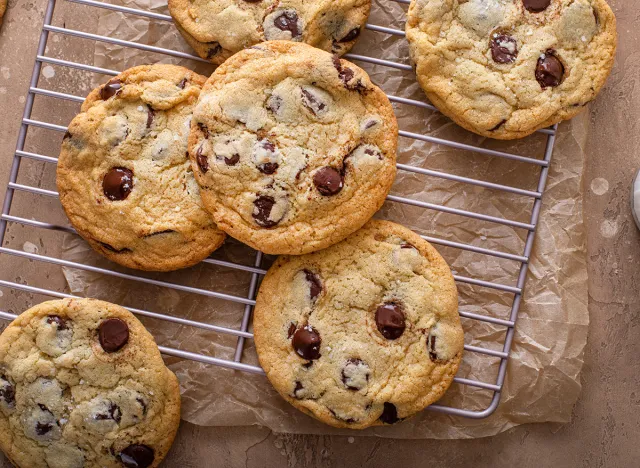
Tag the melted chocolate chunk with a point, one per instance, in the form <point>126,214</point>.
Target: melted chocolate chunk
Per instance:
<point>345,74</point>
<point>297,388</point>
<point>59,321</point>
<point>183,83</point>
<point>308,364</point>
<point>549,70</point>
<point>406,245</point>
<point>288,21</point>
<point>112,88</point>
<point>340,418</point>
<point>213,50</point>
<point>389,414</point>
<point>500,124</point>
<point>390,320</point>
<point>328,181</point>
<point>7,391</point>
<point>291,330</point>
<point>204,129</point>
<point>504,49</point>
<point>536,6</point>
<point>43,428</point>
<point>311,103</point>
<point>201,159</point>
<point>263,206</point>
<point>431,347</point>
<point>137,456</point>
<point>351,35</point>
<point>315,285</point>
<point>268,168</point>
<point>143,404</point>
<point>67,135</point>
<point>274,103</point>
<point>111,248</point>
<point>233,160</point>
<point>113,412</point>
<point>306,342</point>
<point>150,115</point>
<point>166,231</point>
<point>113,334</point>
<point>117,183</point>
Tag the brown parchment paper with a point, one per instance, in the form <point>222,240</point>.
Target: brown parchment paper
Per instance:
<point>543,377</point>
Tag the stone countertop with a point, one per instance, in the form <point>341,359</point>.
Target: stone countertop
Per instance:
<point>604,429</point>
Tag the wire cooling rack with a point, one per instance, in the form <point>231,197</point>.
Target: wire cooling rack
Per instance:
<point>242,334</point>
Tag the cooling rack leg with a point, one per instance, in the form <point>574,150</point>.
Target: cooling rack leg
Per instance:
<point>248,309</point>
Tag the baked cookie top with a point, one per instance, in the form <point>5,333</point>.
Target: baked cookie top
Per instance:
<point>506,68</point>
<point>294,149</point>
<point>217,29</point>
<point>363,333</point>
<point>124,176</point>
<point>82,384</point>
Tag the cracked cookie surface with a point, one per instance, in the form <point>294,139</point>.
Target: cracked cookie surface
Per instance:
<point>124,175</point>
<point>217,29</point>
<point>294,149</point>
<point>82,384</point>
<point>506,68</point>
<point>363,333</point>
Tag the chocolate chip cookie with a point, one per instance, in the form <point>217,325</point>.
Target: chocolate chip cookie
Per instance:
<point>363,333</point>
<point>294,149</point>
<point>83,385</point>
<point>506,68</point>
<point>124,175</point>
<point>217,29</point>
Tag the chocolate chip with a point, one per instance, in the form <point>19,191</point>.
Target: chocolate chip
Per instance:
<point>268,168</point>
<point>43,428</point>
<point>406,245</point>
<point>345,74</point>
<point>113,334</point>
<point>390,320</point>
<point>111,248</point>
<point>308,364</point>
<point>370,124</point>
<point>311,102</point>
<point>183,83</point>
<point>328,181</point>
<point>262,211</point>
<point>202,161</point>
<point>500,124</point>
<point>549,71</point>
<point>117,183</point>
<point>315,285</point>
<point>431,347</point>
<point>306,342</point>
<point>150,115</point>
<point>288,21</point>
<point>137,456</point>
<point>233,160</point>
<point>204,129</point>
<point>67,135</point>
<point>143,404</point>
<point>297,388</point>
<point>113,412</point>
<point>351,35</point>
<point>536,6</point>
<point>7,391</point>
<point>342,418</point>
<point>353,373</point>
<point>389,414</point>
<point>59,321</point>
<point>274,103</point>
<point>112,88</point>
<point>504,49</point>
<point>213,50</point>
<point>291,330</point>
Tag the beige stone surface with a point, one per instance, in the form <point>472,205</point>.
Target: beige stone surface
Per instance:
<point>604,430</point>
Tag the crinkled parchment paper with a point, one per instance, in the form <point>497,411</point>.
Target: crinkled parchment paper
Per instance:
<point>543,378</point>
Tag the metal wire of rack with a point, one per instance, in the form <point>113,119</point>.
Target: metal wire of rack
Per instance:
<point>242,334</point>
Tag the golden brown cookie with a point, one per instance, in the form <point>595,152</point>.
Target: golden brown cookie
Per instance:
<point>363,333</point>
<point>294,149</point>
<point>217,29</point>
<point>506,68</point>
<point>83,385</point>
<point>124,176</point>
